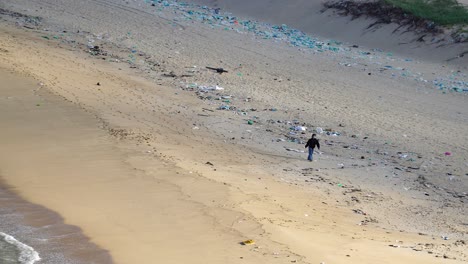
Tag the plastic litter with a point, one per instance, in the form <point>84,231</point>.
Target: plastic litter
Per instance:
<point>295,150</point>
<point>203,88</point>
<point>334,134</point>
<point>300,128</point>
<point>248,242</point>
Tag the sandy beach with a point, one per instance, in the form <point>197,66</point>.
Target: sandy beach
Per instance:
<point>113,126</point>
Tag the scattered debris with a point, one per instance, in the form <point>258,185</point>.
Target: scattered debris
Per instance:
<point>359,211</point>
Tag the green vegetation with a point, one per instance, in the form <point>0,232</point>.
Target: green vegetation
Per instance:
<point>442,12</point>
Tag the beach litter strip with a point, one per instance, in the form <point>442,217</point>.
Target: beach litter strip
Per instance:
<point>216,19</point>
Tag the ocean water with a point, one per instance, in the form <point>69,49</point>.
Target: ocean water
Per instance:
<point>13,251</point>
<point>32,234</point>
<point>8,253</point>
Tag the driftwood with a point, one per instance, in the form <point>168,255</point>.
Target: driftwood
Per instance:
<point>218,70</point>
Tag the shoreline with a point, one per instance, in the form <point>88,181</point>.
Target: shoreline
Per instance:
<point>152,130</point>
<point>45,232</point>
<point>35,225</point>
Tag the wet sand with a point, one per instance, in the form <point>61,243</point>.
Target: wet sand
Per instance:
<point>34,225</point>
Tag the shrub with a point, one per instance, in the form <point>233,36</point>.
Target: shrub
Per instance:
<point>442,12</point>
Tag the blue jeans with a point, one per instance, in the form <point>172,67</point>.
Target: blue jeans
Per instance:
<point>311,154</point>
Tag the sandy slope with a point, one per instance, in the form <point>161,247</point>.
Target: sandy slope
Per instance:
<point>255,188</point>
<point>159,211</point>
<point>306,15</point>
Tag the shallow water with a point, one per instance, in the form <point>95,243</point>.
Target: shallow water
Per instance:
<point>9,254</point>
<point>13,251</point>
<point>29,232</point>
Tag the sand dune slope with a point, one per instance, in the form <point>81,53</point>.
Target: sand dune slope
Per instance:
<point>308,16</point>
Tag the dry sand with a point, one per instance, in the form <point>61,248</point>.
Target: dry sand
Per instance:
<point>152,173</point>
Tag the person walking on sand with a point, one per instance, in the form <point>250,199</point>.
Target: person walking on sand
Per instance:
<point>311,144</point>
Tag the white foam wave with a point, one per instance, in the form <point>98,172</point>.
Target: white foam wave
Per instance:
<point>27,254</point>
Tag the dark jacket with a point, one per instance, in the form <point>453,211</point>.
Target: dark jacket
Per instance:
<point>312,143</point>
